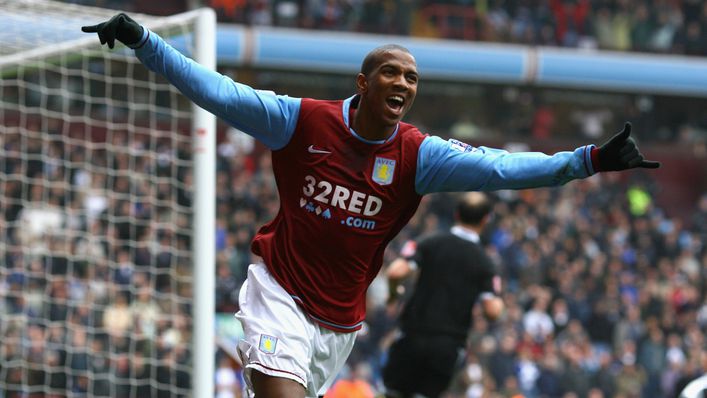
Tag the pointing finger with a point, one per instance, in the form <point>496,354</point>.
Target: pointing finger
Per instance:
<point>90,28</point>
<point>635,162</point>
<point>649,164</point>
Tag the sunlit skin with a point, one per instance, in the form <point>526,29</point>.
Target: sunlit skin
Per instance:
<point>378,114</point>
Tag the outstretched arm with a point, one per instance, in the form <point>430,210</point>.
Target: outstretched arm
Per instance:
<point>445,166</point>
<point>269,118</point>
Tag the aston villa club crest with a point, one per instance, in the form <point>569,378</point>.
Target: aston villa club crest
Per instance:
<point>383,171</point>
<point>267,344</point>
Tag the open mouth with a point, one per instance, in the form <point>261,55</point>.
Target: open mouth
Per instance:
<point>395,102</point>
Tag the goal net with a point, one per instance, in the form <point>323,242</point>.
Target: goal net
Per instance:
<point>96,194</point>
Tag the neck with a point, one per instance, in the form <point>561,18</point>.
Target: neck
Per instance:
<point>368,127</point>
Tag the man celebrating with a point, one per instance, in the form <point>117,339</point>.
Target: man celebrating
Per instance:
<point>350,174</point>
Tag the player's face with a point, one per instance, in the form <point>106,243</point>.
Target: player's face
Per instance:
<point>391,88</point>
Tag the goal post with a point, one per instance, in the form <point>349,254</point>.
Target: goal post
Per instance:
<point>204,130</point>
<point>107,181</point>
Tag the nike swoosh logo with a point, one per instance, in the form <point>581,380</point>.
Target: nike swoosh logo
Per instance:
<point>312,149</point>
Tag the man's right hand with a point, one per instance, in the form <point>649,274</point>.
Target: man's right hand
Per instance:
<point>120,27</point>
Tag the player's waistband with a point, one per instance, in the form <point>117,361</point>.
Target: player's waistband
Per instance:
<point>336,327</point>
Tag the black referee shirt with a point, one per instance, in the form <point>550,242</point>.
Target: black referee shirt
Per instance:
<point>453,272</point>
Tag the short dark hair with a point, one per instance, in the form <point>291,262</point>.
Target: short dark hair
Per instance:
<point>473,207</point>
<point>373,58</point>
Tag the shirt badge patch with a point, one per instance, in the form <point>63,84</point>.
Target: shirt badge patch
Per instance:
<point>461,146</point>
<point>383,171</point>
<point>409,249</point>
<point>267,344</point>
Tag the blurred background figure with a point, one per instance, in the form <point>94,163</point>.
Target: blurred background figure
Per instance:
<point>452,273</point>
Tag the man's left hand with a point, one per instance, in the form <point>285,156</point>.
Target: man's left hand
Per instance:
<point>621,153</point>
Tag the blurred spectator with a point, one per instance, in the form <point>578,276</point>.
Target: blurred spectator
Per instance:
<point>502,361</point>
<point>39,218</point>
<point>227,288</point>
<point>591,122</point>
<point>543,122</point>
<point>536,321</point>
<point>117,317</point>
<point>605,377</point>
<point>571,20</point>
<point>465,130</point>
<point>226,380</point>
<point>355,385</point>
<point>146,312</point>
<point>642,29</point>
<point>631,376</point>
<point>100,385</point>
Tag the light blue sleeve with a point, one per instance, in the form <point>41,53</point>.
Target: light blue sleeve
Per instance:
<point>269,118</point>
<point>452,166</point>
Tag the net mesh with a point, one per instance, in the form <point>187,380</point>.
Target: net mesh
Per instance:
<point>95,194</point>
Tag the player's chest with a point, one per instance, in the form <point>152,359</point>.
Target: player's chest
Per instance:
<point>349,162</point>
<point>346,177</point>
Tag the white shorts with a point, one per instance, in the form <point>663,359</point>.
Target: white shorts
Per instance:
<point>281,340</point>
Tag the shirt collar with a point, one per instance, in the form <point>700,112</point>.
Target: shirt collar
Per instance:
<point>466,233</point>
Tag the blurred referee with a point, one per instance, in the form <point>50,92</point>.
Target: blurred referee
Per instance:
<point>453,272</point>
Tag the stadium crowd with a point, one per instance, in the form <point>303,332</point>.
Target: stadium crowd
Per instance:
<point>659,26</point>
<point>625,25</point>
<point>95,281</point>
<point>605,292</point>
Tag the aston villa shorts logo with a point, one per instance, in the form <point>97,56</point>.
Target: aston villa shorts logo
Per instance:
<point>383,171</point>
<point>267,344</point>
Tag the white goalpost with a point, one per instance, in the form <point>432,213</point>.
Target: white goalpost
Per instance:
<point>204,127</point>
<point>107,188</point>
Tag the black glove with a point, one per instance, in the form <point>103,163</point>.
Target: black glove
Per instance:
<point>621,153</point>
<point>120,27</point>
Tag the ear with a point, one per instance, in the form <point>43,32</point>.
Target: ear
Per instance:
<point>361,83</point>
